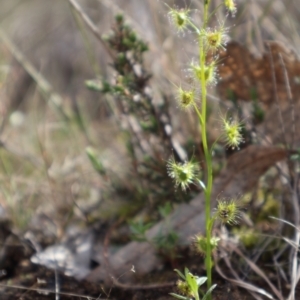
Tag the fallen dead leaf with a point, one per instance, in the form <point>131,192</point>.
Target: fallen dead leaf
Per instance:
<point>248,76</point>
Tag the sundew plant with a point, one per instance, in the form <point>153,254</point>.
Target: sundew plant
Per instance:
<point>203,72</point>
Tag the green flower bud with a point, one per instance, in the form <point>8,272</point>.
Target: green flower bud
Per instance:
<point>179,18</point>
<point>215,39</point>
<point>209,72</point>
<point>232,132</point>
<point>183,174</point>
<point>186,98</point>
<point>230,6</point>
<point>200,244</point>
<point>228,211</point>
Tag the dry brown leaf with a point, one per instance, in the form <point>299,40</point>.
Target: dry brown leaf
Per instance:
<point>248,76</point>
<point>273,79</point>
<point>240,175</point>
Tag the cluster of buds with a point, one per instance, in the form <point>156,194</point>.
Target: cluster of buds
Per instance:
<point>213,39</point>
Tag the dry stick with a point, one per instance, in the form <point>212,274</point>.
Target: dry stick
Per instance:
<point>117,10</point>
<point>26,292</point>
<point>43,291</point>
<point>44,86</point>
<point>295,267</point>
<point>57,285</point>
<point>142,287</point>
<point>90,25</point>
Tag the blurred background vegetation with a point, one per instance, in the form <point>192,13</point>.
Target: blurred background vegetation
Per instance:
<point>49,117</point>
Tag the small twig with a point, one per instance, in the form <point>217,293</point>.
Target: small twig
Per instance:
<point>50,292</point>
<point>117,10</point>
<point>142,287</point>
<point>57,286</point>
<point>90,25</point>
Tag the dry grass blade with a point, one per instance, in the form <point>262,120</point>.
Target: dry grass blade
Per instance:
<point>255,268</point>
<point>241,283</point>
<point>90,24</point>
<point>286,222</point>
<point>258,271</point>
<point>44,86</point>
<point>295,270</point>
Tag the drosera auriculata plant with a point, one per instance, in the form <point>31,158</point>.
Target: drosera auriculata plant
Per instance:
<point>203,72</point>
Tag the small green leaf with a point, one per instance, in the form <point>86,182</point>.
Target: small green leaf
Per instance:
<point>138,230</point>
<point>201,280</point>
<point>165,210</point>
<point>186,271</point>
<point>180,274</point>
<point>96,163</point>
<point>192,282</point>
<point>94,85</point>
<point>179,296</point>
<point>209,292</point>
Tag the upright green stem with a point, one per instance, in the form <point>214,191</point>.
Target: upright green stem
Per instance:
<point>207,153</point>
